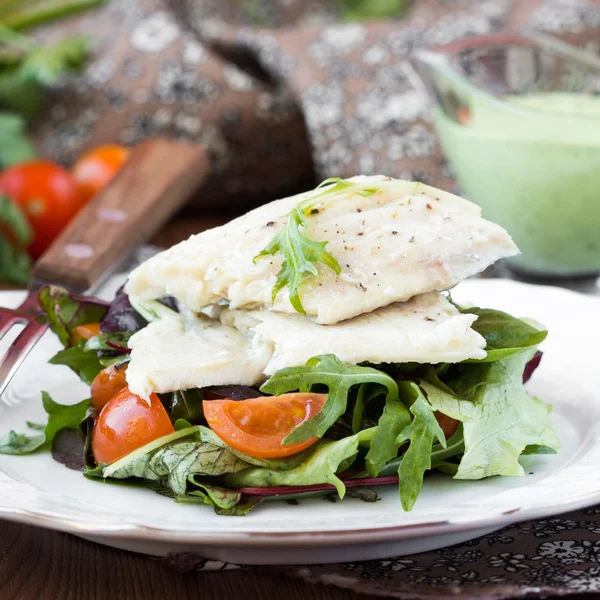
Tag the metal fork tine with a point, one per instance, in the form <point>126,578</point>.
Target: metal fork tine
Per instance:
<point>17,352</point>
<point>7,320</point>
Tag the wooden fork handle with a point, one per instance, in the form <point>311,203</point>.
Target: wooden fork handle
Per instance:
<point>156,181</point>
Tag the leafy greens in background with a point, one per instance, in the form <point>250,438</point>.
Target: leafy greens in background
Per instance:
<point>59,417</point>
<point>22,14</point>
<point>27,69</point>
<point>350,10</point>
<point>15,235</point>
<point>15,146</point>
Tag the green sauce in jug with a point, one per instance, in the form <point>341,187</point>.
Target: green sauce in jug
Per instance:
<point>533,164</point>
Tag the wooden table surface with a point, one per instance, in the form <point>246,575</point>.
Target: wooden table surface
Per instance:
<point>39,564</point>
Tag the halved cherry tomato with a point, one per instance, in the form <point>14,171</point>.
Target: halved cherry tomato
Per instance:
<point>106,384</point>
<point>258,426</point>
<point>85,332</point>
<point>447,424</point>
<point>97,167</point>
<point>48,196</point>
<point>126,423</point>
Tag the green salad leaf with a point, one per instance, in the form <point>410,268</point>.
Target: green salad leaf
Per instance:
<point>59,417</point>
<point>101,341</point>
<point>184,404</point>
<point>321,466</point>
<point>65,311</point>
<point>325,370</point>
<point>394,419</point>
<point>500,420</point>
<point>173,459</point>
<point>83,362</point>
<point>504,334</point>
<point>455,446</point>
<point>225,502</point>
<point>421,434</point>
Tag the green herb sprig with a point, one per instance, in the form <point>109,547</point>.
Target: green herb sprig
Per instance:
<point>301,254</point>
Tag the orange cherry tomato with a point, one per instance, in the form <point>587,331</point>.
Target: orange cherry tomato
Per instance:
<point>447,424</point>
<point>126,423</point>
<point>48,196</point>
<point>85,332</point>
<point>106,384</point>
<point>258,426</point>
<point>97,167</point>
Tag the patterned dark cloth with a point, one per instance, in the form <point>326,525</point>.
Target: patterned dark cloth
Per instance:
<point>270,102</point>
<point>556,556</point>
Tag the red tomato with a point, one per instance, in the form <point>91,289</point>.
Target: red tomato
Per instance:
<point>97,167</point>
<point>85,332</point>
<point>447,424</point>
<point>258,426</point>
<point>127,423</point>
<point>106,384</point>
<point>47,195</point>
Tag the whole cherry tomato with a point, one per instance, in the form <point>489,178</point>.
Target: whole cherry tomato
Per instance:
<point>48,196</point>
<point>127,423</point>
<point>107,384</point>
<point>97,167</point>
<point>258,426</point>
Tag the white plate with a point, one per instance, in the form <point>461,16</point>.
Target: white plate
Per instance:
<point>38,491</point>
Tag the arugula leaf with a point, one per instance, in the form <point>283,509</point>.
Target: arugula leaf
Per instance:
<point>455,446</point>
<point>500,420</point>
<point>395,419</point>
<point>339,378</point>
<point>85,363</point>
<point>321,467</point>
<point>366,393</point>
<point>421,434</point>
<point>504,334</point>
<point>301,254</point>
<point>59,417</point>
<point>15,146</point>
<point>65,311</point>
